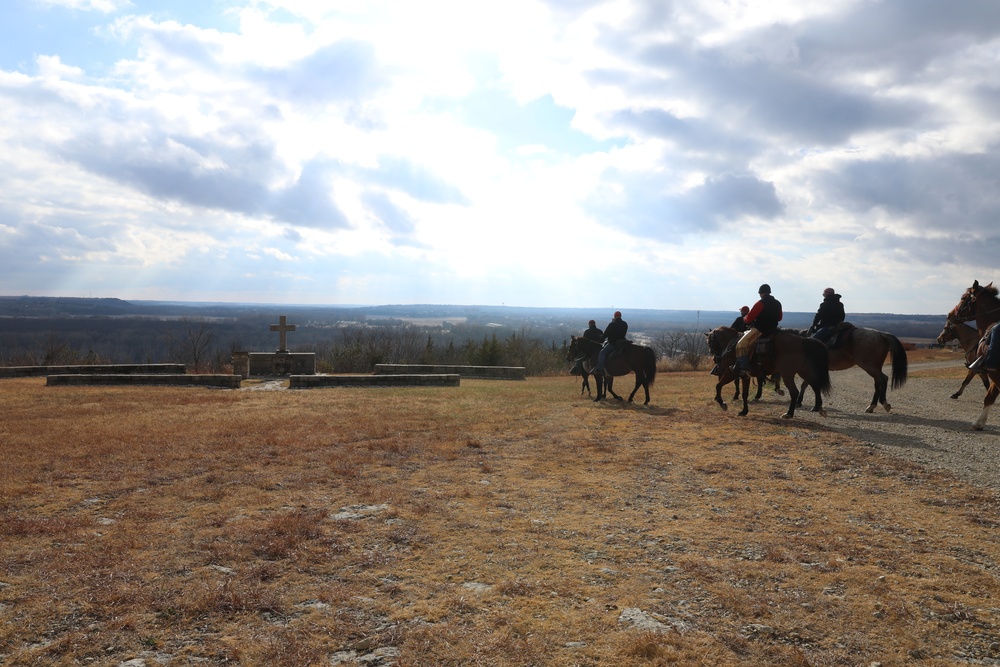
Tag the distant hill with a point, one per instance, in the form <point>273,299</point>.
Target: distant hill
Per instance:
<point>903,326</point>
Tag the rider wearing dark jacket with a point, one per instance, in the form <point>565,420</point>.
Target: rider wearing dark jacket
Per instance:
<point>739,323</point>
<point>613,334</point>
<point>828,316</point>
<point>593,333</point>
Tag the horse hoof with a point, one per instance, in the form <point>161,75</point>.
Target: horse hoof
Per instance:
<point>787,415</point>
<point>888,407</point>
<point>870,409</point>
<point>954,396</point>
<point>822,412</point>
<point>723,406</point>
<point>744,413</point>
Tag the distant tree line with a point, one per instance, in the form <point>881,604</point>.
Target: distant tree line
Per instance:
<point>207,345</point>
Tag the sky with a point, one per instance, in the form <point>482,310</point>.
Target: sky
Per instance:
<point>669,154</point>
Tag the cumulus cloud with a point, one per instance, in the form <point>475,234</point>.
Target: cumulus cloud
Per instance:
<point>375,147</point>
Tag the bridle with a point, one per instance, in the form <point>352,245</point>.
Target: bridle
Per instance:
<point>957,315</point>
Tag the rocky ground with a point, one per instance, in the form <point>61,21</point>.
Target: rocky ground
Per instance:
<point>924,425</point>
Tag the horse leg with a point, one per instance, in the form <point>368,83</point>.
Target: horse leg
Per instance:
<point>600,387</point>
<point>881,386</point>
<point>639,381</point>
<point>991,397</point>
<point>966,381</point>
<point>718,392</point>
<point>609,385</point>
<point>761,381</point>
<point>586,385</point>
<point>746,392</point>
<point>794,393</point>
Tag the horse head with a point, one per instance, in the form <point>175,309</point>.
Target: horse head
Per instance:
<point>718,338</point>
<point>965,310</point>
<point>949,333</point>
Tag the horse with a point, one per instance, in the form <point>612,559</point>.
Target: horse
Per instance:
<point>968,339</point>
<point>980,303</point>
<point>585,385</point>
<point>867,349</point>
<point>631,358</point>
<point>786,354</point>
<point>761,380</point>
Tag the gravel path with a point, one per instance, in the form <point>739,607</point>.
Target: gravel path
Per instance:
<point>924,426</point>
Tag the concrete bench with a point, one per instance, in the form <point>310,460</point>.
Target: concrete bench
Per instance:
<point>409,380</point>
<point>199,380</point>
<point>92,369</point>
<point>471,372</point>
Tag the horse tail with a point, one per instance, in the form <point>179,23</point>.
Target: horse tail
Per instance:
<point>899,363</point>
<point>818,360</point>
<point>649,364</point>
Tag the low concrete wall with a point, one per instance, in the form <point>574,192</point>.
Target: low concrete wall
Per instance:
<point>314,381</point>
<point>200,380</point>
<point>472,372</point>
<point>91,369</point>
<point>281,363</point>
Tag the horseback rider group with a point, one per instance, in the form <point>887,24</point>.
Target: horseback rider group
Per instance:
<point>611,337</point>
<point>614,334</point>
<point>762,320</point>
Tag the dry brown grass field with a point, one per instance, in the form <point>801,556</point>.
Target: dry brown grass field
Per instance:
<point>498,523</point>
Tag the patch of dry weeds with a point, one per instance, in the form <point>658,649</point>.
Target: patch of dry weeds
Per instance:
<point>500,523</point>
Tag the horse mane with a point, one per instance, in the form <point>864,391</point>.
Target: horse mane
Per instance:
<point>989,289</point>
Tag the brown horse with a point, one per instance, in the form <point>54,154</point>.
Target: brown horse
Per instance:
<point>631,358</point>
<point>786,354</point>
<point>968,339</point>
<point>980,303</point>
<point>867,349</point>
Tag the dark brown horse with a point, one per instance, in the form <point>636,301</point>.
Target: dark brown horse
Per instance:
<point>867,349</point>
<point>761,380</point>
<point>631,358</point>
<point>980,303</point>
<point>787,354</point>
<point>968,339</point>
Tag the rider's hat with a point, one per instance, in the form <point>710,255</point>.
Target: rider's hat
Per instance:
<point>745,309</point>
<point>618,313</point>
<point>764,289</point>
<point>828,292</point>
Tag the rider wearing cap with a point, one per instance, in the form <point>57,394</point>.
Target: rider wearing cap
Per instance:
<point>739,323</point>
<point>829,315</point>
<point>613,334</point>
<point>763,319</point>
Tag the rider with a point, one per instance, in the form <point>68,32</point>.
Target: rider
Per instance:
<point>594,334</point>
<point>829,315</point>
<point>991,360</point>
<point>739,323</point>
<point>763,319</point>
<point>613,334</point>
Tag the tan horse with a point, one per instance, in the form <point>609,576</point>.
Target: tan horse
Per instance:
<point>968,339</point>
<point>980,303</point>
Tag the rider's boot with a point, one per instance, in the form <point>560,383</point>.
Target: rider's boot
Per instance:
<point>742,367</point>
<point>578,368</point>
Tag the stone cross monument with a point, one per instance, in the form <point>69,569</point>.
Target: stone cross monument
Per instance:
<point>281,362</point>
<point>282,328</point>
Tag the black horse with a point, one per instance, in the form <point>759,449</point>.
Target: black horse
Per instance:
<point>786,354</point>
<point>630,358</point>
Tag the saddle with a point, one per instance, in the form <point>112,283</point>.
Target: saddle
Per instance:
<point>984,346</point>
<point>841,335</point>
